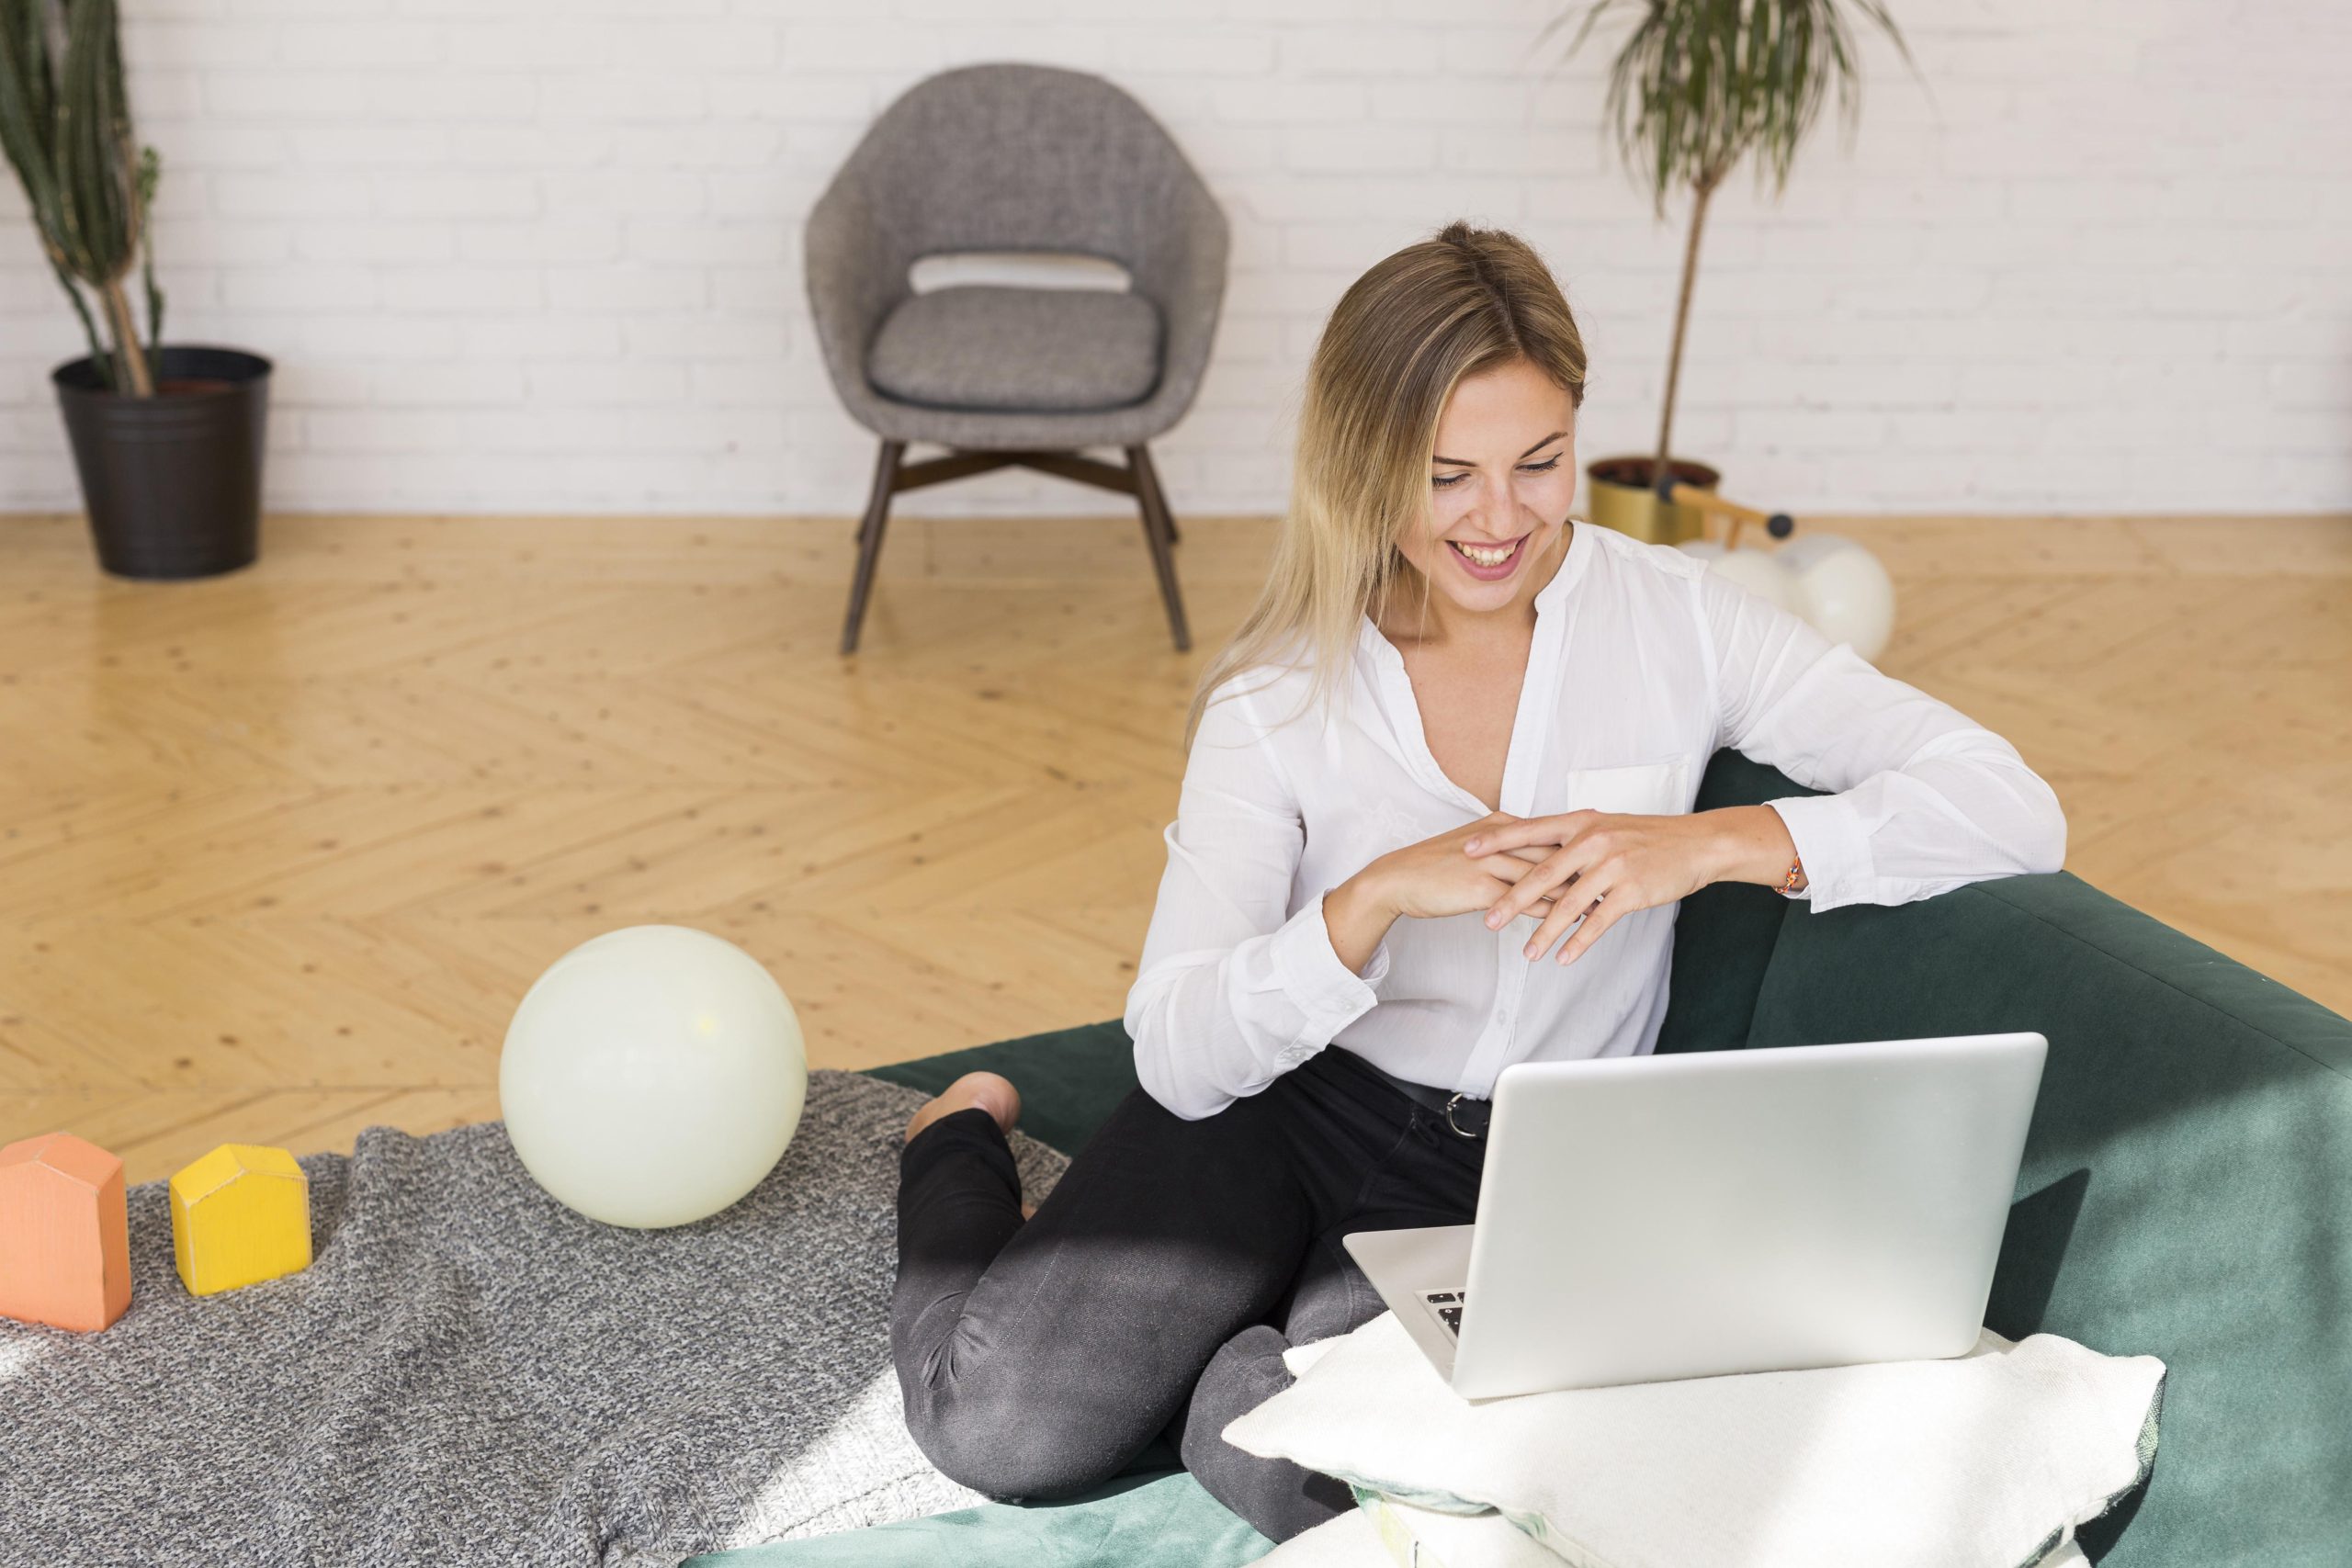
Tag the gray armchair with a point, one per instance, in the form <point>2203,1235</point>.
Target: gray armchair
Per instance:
<point>1015,157</point>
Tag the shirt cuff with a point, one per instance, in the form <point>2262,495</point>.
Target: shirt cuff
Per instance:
<point>1836,851</point>
<point>1331,995</point>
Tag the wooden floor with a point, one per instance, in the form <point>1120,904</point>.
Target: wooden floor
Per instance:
<point>280,851</point>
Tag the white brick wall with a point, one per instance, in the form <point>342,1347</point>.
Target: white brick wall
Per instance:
<point>545,255</point>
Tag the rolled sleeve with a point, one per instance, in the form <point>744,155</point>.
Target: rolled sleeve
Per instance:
<point>1329,995</point>
<point>1830,843</point>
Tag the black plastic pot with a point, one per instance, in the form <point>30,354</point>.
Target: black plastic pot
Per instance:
<point>171,482</point>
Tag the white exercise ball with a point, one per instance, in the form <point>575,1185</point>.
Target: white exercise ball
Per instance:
<point>1843,591</point>
<point>652,1076</point>
<point>1758,571</point>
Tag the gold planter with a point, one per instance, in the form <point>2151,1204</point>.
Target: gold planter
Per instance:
<point>1618,495</point>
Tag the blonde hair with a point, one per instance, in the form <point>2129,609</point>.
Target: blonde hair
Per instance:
<point>1403,333</point>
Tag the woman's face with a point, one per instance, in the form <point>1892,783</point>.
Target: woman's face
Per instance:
<point>1500,482</point>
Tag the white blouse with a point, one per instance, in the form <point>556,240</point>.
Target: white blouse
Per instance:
<point>1644,664</point>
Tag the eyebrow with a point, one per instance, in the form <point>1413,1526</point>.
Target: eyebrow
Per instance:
<point>1528,453</point>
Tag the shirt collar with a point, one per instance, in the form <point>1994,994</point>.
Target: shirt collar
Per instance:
<point>1572,566</point>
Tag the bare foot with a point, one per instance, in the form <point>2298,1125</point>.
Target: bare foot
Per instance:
<point>990,1092</point>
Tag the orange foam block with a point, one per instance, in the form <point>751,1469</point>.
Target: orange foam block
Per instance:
<point>240,1215</point>
<point>64,1233</point>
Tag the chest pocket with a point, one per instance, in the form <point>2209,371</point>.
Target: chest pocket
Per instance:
<point>1650,789</point>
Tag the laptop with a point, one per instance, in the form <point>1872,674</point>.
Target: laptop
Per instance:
<point>1649,1217</point>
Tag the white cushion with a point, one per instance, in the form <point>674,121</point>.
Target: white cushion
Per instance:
<point>1475,1540</point>
<point>1383,1531</point>
<point>1988,1459</point>
<point>1348,1541</point>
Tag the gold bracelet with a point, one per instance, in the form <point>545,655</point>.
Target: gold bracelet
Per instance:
<point>1795,879</point>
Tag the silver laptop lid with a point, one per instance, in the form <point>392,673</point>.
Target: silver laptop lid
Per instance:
<point>1649,1217</point>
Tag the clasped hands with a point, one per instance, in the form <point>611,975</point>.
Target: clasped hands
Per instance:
<point>1589,869</point>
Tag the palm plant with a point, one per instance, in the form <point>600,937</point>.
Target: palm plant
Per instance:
<point>65,126</point>
<point>1700,83</point>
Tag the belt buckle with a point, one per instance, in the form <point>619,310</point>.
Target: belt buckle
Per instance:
<point>1450,1123</point>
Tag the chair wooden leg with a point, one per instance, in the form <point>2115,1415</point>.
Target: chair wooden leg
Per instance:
<point>869,539</point>
<point>1160,533</point>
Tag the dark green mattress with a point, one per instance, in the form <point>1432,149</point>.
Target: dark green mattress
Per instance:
<point>1157,1516</point>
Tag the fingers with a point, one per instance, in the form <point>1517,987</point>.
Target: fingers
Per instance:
<point>1584,897</point>
<point>1557,872</point>
<point>1510,866</point>
<point>1591,917</point>
<point>1540,906</point>
<point>1516,831</point>
<point>1566,909</point>
<point>1590,931</point>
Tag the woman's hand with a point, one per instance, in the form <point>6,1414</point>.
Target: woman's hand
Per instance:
<point>1434,878</point>
<point>1595,866</point>
<point>1425,880</point>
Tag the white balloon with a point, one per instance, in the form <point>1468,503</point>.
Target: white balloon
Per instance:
<point>1842,590</point>
<point>652,1076</point>
<point>1761,573</point>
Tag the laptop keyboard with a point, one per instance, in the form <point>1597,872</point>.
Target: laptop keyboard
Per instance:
<point>1447,1304</point>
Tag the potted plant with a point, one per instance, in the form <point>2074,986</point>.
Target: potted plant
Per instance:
<point>1699,84</point>
<point>167,440</point>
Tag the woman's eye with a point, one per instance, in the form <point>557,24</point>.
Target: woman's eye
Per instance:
<point>1448,481</point>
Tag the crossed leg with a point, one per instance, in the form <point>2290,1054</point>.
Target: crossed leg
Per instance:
<point>1037,1359</point>
<point>1156,1286</point>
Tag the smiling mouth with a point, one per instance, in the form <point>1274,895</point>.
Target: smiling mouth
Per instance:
<point>1488,560</point>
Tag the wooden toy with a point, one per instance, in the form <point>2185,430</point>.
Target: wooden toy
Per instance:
<point>240,1215</point>
<point>64,1233</point>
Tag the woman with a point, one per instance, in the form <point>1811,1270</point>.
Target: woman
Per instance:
<point>1456,729</point>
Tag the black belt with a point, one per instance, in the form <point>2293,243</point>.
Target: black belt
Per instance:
<point>1465,1116</point>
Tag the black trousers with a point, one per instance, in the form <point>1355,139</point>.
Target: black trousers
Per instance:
<point>1155,1290</point>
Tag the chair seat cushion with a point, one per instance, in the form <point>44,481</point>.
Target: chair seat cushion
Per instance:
<point>1035,350</point>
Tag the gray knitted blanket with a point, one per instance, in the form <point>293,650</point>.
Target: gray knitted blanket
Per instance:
<point>469,1372</point>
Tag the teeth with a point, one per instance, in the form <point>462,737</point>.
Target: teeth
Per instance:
<point>1484,558</point>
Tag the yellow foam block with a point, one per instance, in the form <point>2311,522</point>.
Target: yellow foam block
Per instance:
<point>240,1215</point>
